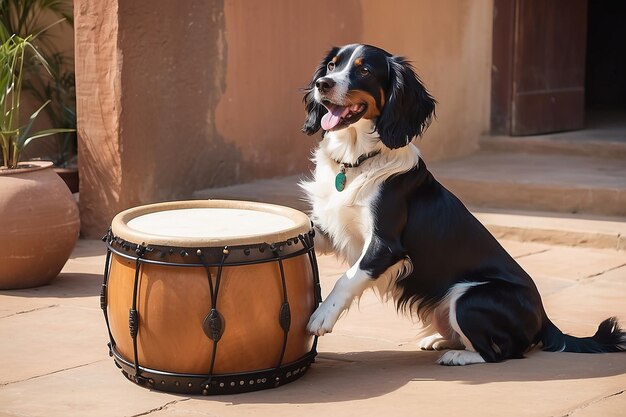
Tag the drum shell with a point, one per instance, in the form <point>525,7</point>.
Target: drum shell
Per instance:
<point>173,302</point>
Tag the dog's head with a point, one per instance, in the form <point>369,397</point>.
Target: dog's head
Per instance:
<point>362,81</point>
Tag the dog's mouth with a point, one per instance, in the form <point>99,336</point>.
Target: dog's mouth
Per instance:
<point>339,117</point>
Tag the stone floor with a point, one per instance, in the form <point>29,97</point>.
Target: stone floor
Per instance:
<point>54,360</point>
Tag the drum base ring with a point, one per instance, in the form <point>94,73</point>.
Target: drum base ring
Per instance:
<point>198,384</point>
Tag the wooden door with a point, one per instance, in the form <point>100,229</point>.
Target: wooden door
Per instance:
<point>538,78</point>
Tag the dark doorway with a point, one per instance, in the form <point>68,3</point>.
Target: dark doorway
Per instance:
<point>559,65</point>
<point>605,79</point>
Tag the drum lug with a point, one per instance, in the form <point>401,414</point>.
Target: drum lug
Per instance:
<point>284,317</point>
<point>133,322</point>
<point>103,297</point>
<point>213,325</point>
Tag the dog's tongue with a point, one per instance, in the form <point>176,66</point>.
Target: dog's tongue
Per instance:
<point>334,115</point>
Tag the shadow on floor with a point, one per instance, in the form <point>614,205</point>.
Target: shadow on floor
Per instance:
<point>337,377</point>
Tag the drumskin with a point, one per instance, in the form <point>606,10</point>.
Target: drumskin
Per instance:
<point>376,204</point>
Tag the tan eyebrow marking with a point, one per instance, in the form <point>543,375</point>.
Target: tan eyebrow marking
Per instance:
<point>358,62</point>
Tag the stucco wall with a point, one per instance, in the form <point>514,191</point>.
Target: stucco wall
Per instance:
<point>179,96</point>
<point>272,51</point>
<point>449,43</point>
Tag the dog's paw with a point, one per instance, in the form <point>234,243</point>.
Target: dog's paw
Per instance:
<point>323,319</point>
<point>433,342</point>
<point>438,342</point>
<point>460,358</point>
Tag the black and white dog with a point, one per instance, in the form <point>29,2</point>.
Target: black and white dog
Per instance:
<point>375,203</point>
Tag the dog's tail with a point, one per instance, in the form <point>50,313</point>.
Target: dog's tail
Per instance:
<point>608,338</point>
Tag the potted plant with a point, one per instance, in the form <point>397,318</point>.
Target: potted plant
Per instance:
<point>40,222</point>
<point>59,88</point>
<point>56,83</point>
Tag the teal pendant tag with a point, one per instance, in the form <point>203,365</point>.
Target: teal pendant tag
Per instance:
<point>340,181</point>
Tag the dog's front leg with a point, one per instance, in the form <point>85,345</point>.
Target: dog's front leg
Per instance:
<point>375,263</point>
<point>350,286</point>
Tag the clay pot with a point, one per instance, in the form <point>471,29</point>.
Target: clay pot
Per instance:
<point>39,225</point>
<point>69,176</point>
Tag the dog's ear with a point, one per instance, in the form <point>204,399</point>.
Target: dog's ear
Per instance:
<point>314,110</point>
<point>408,109</point>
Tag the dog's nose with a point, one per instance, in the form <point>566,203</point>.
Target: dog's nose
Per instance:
<point>324,84</point>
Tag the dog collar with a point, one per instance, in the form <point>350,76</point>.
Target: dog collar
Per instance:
<point>340,178</point>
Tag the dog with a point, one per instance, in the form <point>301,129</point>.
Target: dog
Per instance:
<point>375,203</point>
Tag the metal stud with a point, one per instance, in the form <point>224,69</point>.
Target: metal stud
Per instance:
<point>226,251</point>
<point>190,385</point>
<point>199,252</point>
<point>232,384</point>
<point>221,385</point>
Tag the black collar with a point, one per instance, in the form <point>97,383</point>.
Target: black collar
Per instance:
<point>359,160</point>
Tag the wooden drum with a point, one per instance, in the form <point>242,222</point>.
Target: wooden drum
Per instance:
<point>211,296</point>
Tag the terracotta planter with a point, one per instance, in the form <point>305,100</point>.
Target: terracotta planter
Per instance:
<point>39,225</point>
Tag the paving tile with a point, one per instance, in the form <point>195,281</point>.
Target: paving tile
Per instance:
<point>609,406</point>
<point>97,389</point>
<point>572,263</point>
<point>547,286</point>
<point>521,249</point>
<point>617,275</point>
<point>77,284</point>
<point>369,365</point>
<point>588,303</point>
<point>408,383</point>
<point>49,340</point>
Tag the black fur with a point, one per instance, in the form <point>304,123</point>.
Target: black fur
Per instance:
<point>314,110</point>
<point>503,317</point>
<point>416,218</point>
<point>409,108</point>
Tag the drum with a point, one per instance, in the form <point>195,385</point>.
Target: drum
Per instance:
<point>210,297</point>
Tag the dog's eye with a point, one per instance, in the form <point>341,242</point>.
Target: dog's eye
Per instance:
<point>330,66</point>
<point>364,71</point>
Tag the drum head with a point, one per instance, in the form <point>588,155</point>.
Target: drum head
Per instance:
<point>208,223</point>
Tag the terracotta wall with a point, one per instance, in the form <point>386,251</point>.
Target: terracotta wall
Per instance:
<point>272,51</point>
<point>449,43</point>
<point>178,96</point>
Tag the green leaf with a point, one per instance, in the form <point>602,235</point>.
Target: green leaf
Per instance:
<point>23,134</point>
<point>44,133</point>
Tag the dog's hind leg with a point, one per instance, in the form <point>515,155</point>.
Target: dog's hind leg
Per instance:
<point>438,335</point>
<point>495,321</point>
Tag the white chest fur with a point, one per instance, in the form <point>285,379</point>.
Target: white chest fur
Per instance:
<point>346,216</point>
